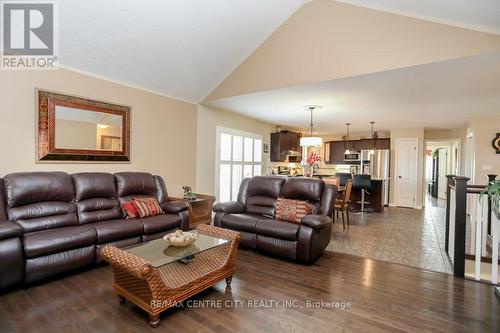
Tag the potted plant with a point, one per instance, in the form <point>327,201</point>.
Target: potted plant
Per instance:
<point>493,191</point>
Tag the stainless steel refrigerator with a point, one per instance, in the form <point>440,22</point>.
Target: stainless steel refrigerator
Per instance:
<point>377,166</point>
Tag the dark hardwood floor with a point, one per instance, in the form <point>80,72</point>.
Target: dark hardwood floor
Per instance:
<point>384,297</point>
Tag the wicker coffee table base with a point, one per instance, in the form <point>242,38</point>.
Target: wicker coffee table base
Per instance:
<point>157,289</point>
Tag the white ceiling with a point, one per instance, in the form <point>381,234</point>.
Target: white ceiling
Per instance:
<point>482,15</point>
<point>185,48</point>
<point>178,48</point>
<point>438,95</point>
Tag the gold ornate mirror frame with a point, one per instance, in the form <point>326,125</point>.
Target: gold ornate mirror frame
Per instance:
<point>47,150</point>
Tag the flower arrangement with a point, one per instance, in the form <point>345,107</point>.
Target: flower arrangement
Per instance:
<point>313,159</point>
<point>312,163</point>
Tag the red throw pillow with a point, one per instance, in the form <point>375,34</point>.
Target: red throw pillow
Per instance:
<point>147,206</point>
<point>292,210</point>
<point>130,210</point>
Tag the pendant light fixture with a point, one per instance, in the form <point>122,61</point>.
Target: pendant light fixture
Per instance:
<point>347,151</point>
<point>372,151</point>
<point>310,140</point>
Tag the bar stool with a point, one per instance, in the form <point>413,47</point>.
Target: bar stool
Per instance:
<point>363,183</point>
<point>343,177</point>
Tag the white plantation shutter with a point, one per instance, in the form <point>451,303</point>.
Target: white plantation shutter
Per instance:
<point>239,155</point>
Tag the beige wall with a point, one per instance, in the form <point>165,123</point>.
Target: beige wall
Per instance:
<point>75,134</point>
<point>485,130</point>
<point>408,133</point>
<point>208,120</point>
<point>326,40</point>
<point>163,130</point>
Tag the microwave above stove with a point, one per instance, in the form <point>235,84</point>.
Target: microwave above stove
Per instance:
<point>352,157</point>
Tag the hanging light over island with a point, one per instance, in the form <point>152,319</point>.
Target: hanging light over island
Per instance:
<point>309,139</point>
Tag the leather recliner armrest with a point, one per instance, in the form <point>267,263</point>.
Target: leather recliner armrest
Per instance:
<point>231,207</point>
<point>317,222</point>
<point>9,229</point>
<point>174,206</point>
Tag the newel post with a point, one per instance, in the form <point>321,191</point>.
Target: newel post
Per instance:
<point>490,179</point>
<point>449,182</point>
<point>460,221</point>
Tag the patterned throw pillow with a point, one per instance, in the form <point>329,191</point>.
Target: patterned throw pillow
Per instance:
<point>147,206</point>
<point>130,210</point>
<point>292,210</point>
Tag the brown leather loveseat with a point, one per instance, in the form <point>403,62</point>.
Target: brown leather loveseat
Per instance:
<point>54,222</point>
<point>252,215</point>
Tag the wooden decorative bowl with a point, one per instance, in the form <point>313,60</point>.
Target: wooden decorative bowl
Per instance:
<point>185,239</point>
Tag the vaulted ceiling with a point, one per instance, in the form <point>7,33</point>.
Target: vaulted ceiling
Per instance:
<point>191,49</point>
<point>444,94</point>
<point>178,48</point>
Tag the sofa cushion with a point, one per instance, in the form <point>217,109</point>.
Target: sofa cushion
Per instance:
<point>96,197</point>
<point>159,223</point>
<point>147,207</point>
<point>265,186</point>
<point>135,184</point>
<point>301,188</point>
<point>240,222</point>
<point>30,187</point>
<point>292,210</point>
<point>261,205</point>
<point>9,230</point>
<point>129,209</point>
<point>112,230</point>
<point>40,200</point>
<point>46,242</point>
<point>277,229</point>
<point>44,215</point>
<point>94,185</point>
<point>98,209</point>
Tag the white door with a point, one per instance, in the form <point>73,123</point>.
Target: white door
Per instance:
<point>443,171</point>
<point>406,172</point>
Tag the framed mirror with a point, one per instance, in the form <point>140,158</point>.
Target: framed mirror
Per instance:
<point>78,129</point>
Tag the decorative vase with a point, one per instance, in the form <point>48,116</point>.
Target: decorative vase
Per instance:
<point>311,171</point>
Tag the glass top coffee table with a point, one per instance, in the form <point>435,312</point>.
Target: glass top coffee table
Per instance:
<point>158,253</point>
<point>156,277</point>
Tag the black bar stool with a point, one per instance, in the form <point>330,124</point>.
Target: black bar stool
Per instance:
<point>363,183</point>
<point>343,177</point>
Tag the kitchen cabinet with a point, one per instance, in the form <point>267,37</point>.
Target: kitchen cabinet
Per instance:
<point>283,142</point>
<point>383,143</point>
<point>336,149</point>
<point>364,144</point>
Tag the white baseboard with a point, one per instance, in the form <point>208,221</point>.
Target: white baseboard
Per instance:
<point>393,205</point>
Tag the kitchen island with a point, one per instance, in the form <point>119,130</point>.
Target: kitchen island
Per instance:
<point>375,197</point>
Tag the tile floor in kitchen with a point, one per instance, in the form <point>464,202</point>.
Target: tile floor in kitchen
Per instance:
<point>410,237</point>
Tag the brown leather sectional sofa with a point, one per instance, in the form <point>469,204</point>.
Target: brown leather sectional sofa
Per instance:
<point>54,222</point>
<point>252,215</point>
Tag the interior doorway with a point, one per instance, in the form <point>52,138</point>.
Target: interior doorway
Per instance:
<point>442,157</point>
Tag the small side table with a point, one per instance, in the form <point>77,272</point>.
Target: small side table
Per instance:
<point>200,209</point>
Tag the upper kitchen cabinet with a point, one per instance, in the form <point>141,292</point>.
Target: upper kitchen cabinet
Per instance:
<point>336,150</point>
<point>282,143</point>
<point>363,144</point>
<point>383,143</point>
